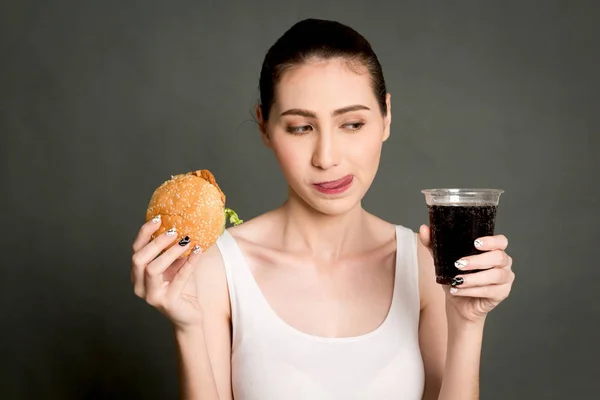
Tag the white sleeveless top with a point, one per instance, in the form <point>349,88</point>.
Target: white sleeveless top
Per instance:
<point>271,360</point>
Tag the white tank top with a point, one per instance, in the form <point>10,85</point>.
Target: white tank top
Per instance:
<point>271,360</point>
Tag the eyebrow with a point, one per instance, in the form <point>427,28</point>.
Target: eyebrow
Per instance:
<point>310,114</point>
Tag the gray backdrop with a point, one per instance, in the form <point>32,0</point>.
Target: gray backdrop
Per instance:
<point>101,101</point>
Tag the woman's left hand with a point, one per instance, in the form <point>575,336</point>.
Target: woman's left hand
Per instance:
<point>475,294</point>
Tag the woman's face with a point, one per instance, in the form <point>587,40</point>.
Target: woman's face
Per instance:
<point>326,130</point>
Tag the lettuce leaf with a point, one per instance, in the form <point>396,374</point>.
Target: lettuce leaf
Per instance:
<point>233,217</point>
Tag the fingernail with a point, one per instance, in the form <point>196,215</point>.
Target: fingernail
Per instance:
<point>478,243</point>
<point>156,219</point>
<point>457,281</point>
<point>196,249</point>
<point>171,232</point>
<point>453,290</point>
<point>184,241</point>
<point>460,264</point>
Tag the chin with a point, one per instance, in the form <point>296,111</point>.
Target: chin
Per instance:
<point>330,205</point>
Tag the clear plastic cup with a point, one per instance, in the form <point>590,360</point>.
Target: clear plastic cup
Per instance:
<point>456,218</point>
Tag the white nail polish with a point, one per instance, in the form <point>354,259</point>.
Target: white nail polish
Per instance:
<point>156,219</point>
<point>171,232</point>
<point>478,243</point>
<point>460,264</point>
<point>453,290</point>
<point>196,249</point>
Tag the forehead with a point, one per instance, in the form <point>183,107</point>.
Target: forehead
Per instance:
<point>324,85</point>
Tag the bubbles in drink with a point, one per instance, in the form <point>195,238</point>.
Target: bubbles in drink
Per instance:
<point>454,228</point>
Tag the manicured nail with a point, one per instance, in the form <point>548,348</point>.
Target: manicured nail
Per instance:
<point>453,290</point>
<point>460,264</point>
<point>196,249</point>
<point>156,219</point>
<point>184,241</point>
<point>171,232</point>
<point>457,281</point>
<point>478,243</point>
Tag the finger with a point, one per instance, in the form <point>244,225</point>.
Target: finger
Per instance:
<point>491,292</point>
<point>494,276</point>
<point>185,272</point>
<point>498,242</point>
<point>145,233</point>
<point>171,271</point>
<point>140,282</point>
<point>154,271</point>
<point>139,287</point>
<point>152,249</point>
<point>490,259</point>
<point>144,256</point>
<point>425,235</point>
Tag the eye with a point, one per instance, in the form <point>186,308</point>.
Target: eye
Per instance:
<point>299,130</point>
<point>353,126</point>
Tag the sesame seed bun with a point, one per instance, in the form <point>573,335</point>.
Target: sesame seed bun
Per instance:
<point>194,205</point>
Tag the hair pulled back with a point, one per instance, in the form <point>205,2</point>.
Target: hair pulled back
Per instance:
<point>317,39</point>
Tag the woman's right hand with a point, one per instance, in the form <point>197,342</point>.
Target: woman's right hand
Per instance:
<point>163,280</point>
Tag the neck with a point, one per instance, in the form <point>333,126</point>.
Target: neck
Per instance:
<point>327,237</point>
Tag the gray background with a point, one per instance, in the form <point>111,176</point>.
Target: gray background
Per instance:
<point>101,101</point>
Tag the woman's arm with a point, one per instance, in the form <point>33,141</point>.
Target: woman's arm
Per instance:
<point>196,377</point>
<point>204,352</point>
<point>450,347</point>
<point>461,372</point>
<point>433,329</point>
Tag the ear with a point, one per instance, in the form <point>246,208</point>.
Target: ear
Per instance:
<point>262,126</point>
<point>388,118</point>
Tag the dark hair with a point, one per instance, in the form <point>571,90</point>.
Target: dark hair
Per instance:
<point>318,39</point>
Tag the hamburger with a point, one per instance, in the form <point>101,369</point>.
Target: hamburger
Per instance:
<point>194,205</point>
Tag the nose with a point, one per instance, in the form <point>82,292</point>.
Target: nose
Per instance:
<point>326,154</point>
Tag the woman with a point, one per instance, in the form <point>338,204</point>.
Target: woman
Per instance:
<point>318,299</point>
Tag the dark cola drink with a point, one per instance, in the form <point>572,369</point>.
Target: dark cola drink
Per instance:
<point>454,229</point>
<point>456,218</point>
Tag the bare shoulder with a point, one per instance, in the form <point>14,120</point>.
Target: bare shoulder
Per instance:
<point>213,297</point>
<point>211,281</point>
<point>433,329</point>
<point>429,290</point>
<point>210,271</point>
<point>210,274</point>
<point>257,229</point>
<point>380,230</point>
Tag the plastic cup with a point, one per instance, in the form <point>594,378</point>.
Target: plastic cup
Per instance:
<point>456,218</point>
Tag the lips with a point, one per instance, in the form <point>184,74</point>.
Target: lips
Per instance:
<point>335,185</point>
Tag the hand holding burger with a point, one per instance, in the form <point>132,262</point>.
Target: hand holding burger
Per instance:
<point>185,216</point>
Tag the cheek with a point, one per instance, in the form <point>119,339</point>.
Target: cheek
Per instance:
<point>289,154</point>
<point>367,150</point>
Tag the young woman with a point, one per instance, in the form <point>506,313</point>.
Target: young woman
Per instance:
<point>318,299</point>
